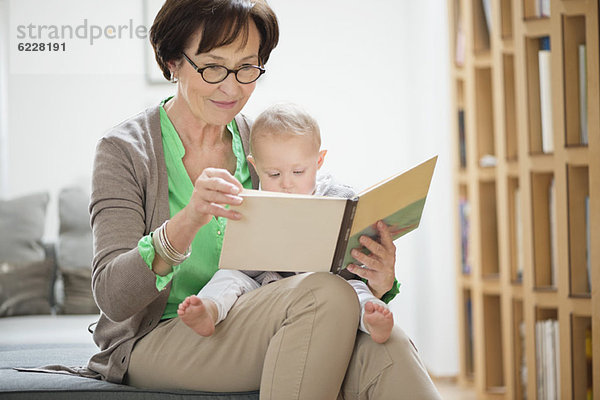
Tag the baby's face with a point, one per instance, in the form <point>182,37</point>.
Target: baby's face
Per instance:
<point>287,163</point>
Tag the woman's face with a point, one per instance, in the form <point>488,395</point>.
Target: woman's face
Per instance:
<point>217,103</point>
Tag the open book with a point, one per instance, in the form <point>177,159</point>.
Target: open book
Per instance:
<point>290,232</point>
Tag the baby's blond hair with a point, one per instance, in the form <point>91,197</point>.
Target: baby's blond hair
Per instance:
<point>284,119</point>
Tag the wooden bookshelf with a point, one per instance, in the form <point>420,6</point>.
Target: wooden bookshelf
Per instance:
<point>527,161</point>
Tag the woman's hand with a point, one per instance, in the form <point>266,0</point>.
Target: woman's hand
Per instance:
<point>379,265</point>
<point>213,189</point>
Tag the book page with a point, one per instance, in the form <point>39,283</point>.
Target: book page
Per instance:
<point>282,232</point>
<point>392,195</point>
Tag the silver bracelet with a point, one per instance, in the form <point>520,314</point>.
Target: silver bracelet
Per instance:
<point>165,249</point>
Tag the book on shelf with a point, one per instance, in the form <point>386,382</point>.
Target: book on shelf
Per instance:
<point>545,76</point>
<point>487,12</point>
<point>544,7</point>
<point>588,243</point>
<point>553,233</point>
<point>470,356</point>
<point>463,209</point>
<point>547,359</point>
<point>539,368</point>
<point>583,116</point>
<point>292,232</point>
<point>462,146</point>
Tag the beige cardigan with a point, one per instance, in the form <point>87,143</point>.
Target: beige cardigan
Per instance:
<point>129,200</point>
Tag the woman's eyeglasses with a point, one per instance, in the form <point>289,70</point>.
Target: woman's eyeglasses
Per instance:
<point>218,73</point>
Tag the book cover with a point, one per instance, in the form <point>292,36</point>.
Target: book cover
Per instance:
<point>545,77</point>
<point>289,232</point>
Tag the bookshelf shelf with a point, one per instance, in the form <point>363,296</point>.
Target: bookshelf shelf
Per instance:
<point>510,121</point>
<point>494,368</point>
<point>539,77</point>
<point>581,358</point>
<point>489,230</point>
<point>506,17</point>
<point>544,217</point>
<point>527,190</point>
<point>578,197</point>
<point>536,9</point>
<point>574,61</point>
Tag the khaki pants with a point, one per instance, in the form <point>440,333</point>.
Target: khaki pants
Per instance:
<point>293,339</point>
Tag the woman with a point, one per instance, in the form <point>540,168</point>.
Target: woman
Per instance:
<point>161,185</point>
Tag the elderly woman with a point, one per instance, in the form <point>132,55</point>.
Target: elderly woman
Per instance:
<point>161,185</point>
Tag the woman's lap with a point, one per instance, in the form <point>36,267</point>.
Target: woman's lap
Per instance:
<point>392,370</point>
<point>294,336</point>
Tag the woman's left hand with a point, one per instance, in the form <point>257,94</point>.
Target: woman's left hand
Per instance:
<point>379,265</point>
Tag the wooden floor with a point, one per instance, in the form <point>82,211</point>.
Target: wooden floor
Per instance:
<point>449,390</point>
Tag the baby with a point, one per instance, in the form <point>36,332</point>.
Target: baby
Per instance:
<point>285,150</point>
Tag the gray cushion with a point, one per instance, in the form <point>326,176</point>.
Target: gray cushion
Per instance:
<point>25,288</point>
<point>29,385</point>
<point>75,235</point>
<point>22,222</point>
<point>74,252</point>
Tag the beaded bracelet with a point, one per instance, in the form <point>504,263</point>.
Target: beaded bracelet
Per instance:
<point>165,249</point>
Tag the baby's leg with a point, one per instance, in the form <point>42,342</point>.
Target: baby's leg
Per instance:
<point>200,315</point>
<point>215,300</point>
<point>375,317</point>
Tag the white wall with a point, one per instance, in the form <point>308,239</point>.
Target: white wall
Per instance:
<point>3,97</point>
<point>373,73</point>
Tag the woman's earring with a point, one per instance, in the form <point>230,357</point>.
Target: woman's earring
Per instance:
<point>173,79</point>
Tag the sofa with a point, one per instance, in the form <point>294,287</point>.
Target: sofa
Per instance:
<point>47,307</point>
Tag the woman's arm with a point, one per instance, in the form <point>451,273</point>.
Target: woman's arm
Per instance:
<point>379,268</point>
<point>122,283</point>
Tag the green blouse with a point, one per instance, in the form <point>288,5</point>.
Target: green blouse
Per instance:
<point>190,276</point>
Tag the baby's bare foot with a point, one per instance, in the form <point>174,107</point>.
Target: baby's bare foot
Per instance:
<point>198,315</point>
<point>379,321</point>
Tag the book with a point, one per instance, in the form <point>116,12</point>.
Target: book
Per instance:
<point>463,210</point>
<point>545,77</point>
<point>547,359</point>
<point>462,145</point>
<point>303,233</point>
<point>583,117</point>
<point>544,8</point>
<point>487,12</point>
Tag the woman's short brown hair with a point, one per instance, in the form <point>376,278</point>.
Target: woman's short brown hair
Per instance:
<point>221,22</point>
